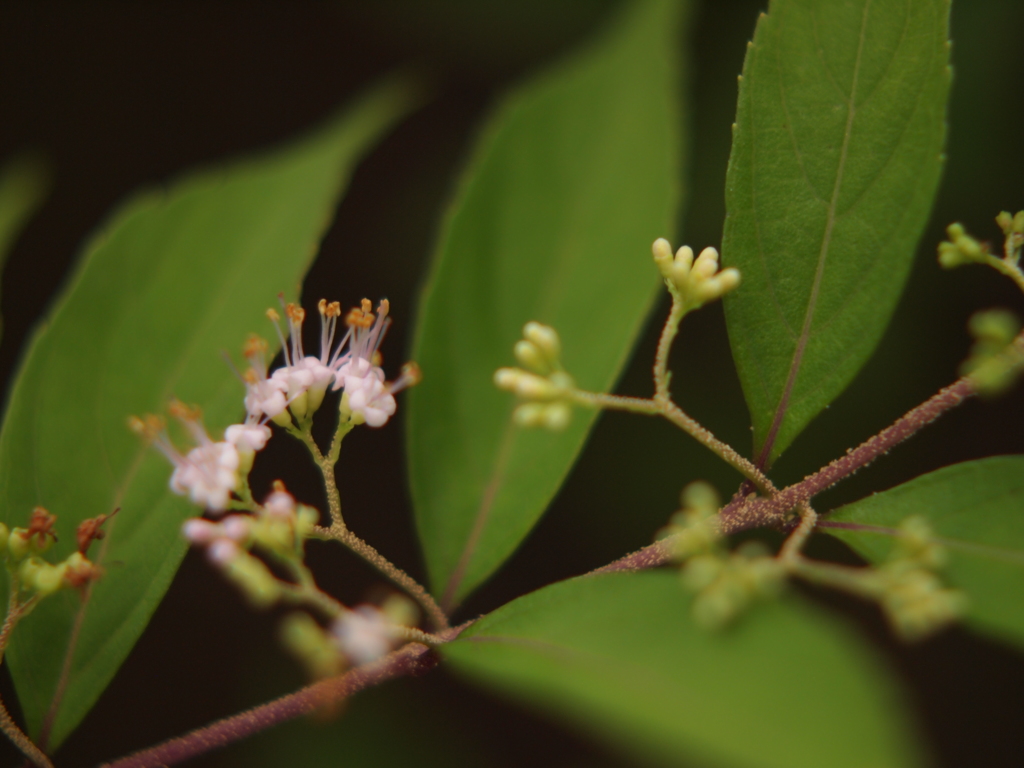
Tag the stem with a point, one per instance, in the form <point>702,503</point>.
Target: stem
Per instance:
<point>651,556</point>
<point>668,335</point>
<point>15,612</point>
<point>300,593</point>
<point>326,465</point>
<point>741,514</point>
<point>397,575</point>
<point>411,658</point>
<point>1008,268</point>
<point>669,410</point>
<point>341,533</point>
<point>792,546</point>
<point>857,581</point>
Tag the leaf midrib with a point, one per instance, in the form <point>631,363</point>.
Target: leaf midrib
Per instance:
<point>798,353</point>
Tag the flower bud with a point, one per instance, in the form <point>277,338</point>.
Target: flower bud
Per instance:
<point>18,543</point>
<point>311,645</point>
<point>39,576</point>
<point>662,251</point>
<point>255,580</point>
<point>1005,221</point>
<point>530,356</point>
<point>545,338</point>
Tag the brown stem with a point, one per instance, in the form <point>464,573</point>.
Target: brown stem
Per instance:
<point>651,556</point>
<point>15,611</point>
<point>412,658</point>
<point>742,514</point>
<point>342,534</point>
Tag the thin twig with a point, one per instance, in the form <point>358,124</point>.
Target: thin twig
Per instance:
<point>345,536</point>
<point>15,612</point>
<point>411,658</point>
<point>743,514</point>
<point>796,540</point>
<point>673,413</point>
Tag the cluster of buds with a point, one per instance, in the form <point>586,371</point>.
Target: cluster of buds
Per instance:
<point>909,589</point>
<point>995,361</point>
<point>22,549</point>
<point>1013,231</point>
<point>694,282</point>
<point>542,384</point>
<point>724,583</point>
<point>358,636</point>
<point>961,248</point>
<point>279,527</point>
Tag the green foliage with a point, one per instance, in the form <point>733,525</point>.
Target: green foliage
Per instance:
<point>619,656</point>
<point>975,511</point>
<point>176,277</point>
<point>573,179</point>
<point>835,161</point>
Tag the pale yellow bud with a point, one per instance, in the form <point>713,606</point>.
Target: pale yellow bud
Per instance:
<point>530,356</point>
<point>545,338</point>
<point>662,251</point>
<point>556,416</point>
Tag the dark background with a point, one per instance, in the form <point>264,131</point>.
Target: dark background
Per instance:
<point>122,96</point>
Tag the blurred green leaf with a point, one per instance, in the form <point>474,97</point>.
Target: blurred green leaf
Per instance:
<point>24,182</point>
<point>836,158</point>
<point>573,179</point>
<point>977,511</point>
<point>176,277</point>
<point>619,656</point>
<point>398,724</point>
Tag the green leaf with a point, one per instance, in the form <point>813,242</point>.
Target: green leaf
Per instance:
<point>397,724</point>
<point>176,277</point>
<point>574,178</point>
<point>977,511</point>
<point>836,157</point>
<point>24,182</point>
<point>619,655</point>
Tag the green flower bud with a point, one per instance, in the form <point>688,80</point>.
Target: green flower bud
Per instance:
<point>529,356</point>
<point>545,338</point>
<point>1018,223</point>
<point>1005,221</point>
<point>18,543</point>
<point>254,578</point>
<point>39,576</point>
<point>301,635</point>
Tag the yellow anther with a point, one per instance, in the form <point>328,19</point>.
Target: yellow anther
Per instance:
<point>184,412</point>
<point>367,305</point>
<point>149,426</point>
<point>360,318</point>
<point>254,346</point>
<point>272,314</point>
<point>296,314</point>
<point>412,372</point>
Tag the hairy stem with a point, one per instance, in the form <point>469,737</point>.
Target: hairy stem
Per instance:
<point>15,612</point>
<point>743,514</point>
<point>1008,268</point>
<point>796,540</point>
<point>856,581</point>
<point>413,657</point>
<point>669,410</point>
<point>343,535</point>
<point>662,377</point>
